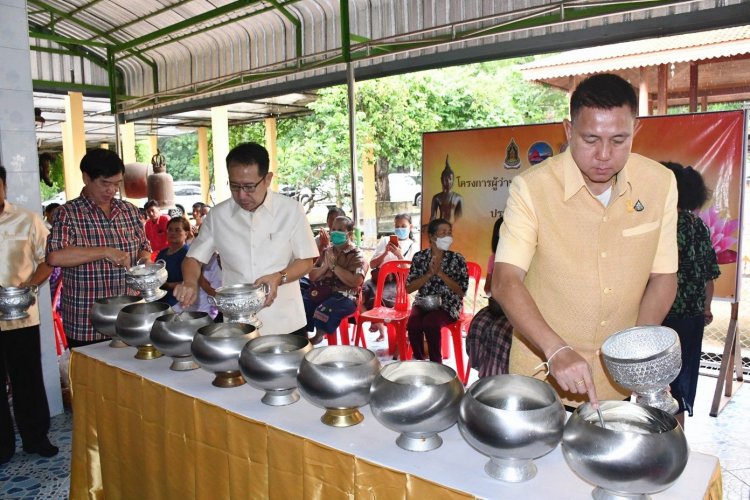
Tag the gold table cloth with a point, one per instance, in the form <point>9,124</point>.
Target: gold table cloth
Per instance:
<point>134,437</point>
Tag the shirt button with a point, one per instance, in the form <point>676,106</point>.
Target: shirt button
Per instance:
<point>604,219</point>
<point>607,290</point>
<point>603,323</point>
<point>604,254</point>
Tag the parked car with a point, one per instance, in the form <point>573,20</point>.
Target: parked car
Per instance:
<point>405,187</point>
<point>186,193</point>
<point>58,198</point>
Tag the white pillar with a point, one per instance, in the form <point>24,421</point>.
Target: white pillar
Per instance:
<point>18,154</point>
<point>220,129</point>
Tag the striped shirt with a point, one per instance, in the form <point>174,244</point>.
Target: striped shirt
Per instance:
<point>82,223</point>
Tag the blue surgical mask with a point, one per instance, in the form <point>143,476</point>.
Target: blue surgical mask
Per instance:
<point>401,232</point>
<point>338,238</point>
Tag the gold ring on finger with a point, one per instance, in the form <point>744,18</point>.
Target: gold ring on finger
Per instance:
<point>580,382</point>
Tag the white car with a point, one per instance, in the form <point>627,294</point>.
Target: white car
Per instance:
<point>404,187</point>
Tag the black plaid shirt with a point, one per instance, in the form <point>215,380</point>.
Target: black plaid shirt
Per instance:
<point>81,223</point>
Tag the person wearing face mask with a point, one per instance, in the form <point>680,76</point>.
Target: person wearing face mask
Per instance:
<point>398,246</point>
<point>335,281</point>
<point>435,272</point>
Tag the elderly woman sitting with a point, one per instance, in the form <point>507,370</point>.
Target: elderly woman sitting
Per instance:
<point>441,278</point>
<point>335,281</point>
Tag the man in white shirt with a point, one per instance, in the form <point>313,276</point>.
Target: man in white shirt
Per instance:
<point>262,238</point>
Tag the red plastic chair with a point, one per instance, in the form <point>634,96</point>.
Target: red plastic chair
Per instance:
<point>455,330</point>
<point>396,317</point>
<point>57,324</point>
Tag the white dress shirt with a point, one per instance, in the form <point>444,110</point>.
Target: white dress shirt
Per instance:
<point>255,244</point>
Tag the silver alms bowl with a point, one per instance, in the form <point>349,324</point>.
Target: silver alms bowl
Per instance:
<point>15,301</point>
<point>645,359</point>
<point>513,419</point>
<point>134,323</point>
<point>417,399</point>
<point>641,450</point>
<point>172,335</point>
<point>338,378</point>
<point>216,348</point>
<point>240,303</point>
<point>104,313</point>
<point>147,278</point>
<point>270,363</point>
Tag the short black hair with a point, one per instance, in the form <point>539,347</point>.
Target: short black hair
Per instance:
<point>338,212</point>
<point>101,163</point>
<point>52,206</point>
<point>603,91</point>
<point>249,153</point>
<point>692,192</point>
<point>150,203</point>
<point>434,224</point>
<point>3,175</point>
<point>349,224</point>
<point>199,205</point>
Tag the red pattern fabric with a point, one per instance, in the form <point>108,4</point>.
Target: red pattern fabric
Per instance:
<point>83,224</point>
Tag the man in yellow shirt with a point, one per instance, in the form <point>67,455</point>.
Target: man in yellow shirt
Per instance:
<point>588,247</point>
<point>23,237</point>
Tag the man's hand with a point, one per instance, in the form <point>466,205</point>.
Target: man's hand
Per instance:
<point>272,281</point>
<point>186,293</point>
<point>573,374</point>
<point>117,258</point>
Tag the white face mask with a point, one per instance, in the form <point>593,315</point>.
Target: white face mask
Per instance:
<point>444,243</point>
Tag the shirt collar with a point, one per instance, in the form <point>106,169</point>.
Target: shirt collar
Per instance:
<point>573,178</point>
<point>266,205</point>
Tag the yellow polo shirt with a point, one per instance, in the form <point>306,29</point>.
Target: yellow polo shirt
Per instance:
<point>587,265</point>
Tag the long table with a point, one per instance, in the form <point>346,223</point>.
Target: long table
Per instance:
<point>141,430</point>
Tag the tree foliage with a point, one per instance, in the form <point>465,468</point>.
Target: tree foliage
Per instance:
<point>391,116</point>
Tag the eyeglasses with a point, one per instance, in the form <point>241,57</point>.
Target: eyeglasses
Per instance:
<point>245,188</point>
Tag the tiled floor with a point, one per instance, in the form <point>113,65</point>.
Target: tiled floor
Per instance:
<point>728,437</point>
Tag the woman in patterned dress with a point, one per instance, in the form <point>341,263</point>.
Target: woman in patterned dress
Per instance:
<point>435,271</point>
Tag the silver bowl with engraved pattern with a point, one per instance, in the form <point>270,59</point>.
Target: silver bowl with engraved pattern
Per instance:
<point>147,278</point>
<point>645,359</point>
<point>15,301</point>
<point>240,303</point>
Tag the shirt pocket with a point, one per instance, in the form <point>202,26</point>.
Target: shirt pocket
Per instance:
<point>641,229</point>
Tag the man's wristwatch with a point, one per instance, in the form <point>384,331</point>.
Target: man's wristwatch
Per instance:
<point>284,277</point>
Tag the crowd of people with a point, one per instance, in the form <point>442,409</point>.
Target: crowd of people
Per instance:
<point>593,240</point>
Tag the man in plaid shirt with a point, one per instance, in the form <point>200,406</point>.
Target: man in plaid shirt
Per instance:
<point>94,239</point>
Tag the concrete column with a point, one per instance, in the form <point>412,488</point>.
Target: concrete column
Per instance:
<point>369,210</point>
<point>643,107</point>
<point>18,154</point>
<point>273,156</point>
<point>203,163</point>
<point>127,140</point>
<point>74,144</point>
<point>153,146</point>
<point>220,129</point>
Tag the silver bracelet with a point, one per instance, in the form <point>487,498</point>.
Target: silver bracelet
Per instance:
<point>548,363</point>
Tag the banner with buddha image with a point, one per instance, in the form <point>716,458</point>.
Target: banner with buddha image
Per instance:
<point>466,175</point>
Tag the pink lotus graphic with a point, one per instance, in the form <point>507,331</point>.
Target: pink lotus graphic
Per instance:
<point>722,231</point>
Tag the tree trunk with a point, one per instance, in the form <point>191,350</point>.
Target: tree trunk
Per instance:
<point>382,188</point>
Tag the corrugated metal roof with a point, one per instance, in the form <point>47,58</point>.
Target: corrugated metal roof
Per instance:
<point>715,44</point>
<point>174,55</point>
